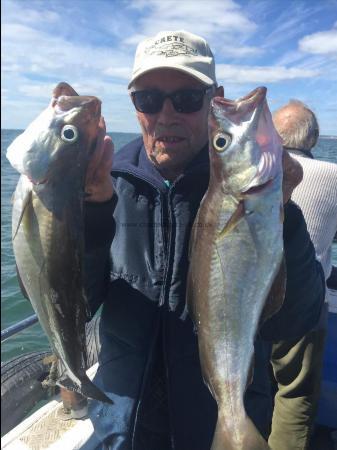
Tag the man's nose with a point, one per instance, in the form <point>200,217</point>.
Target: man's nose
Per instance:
<point>167,112</point>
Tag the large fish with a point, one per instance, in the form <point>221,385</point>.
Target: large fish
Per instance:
<point>52,155</point>
<point>236,254</point>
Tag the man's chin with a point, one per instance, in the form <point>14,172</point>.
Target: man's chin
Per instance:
<point>162,157</point>
<point>169,169</point>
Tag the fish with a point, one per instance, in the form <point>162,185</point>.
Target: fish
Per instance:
<point>236,277</point>
<point>52,157</point>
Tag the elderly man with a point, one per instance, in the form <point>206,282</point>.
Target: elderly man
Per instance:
<point>297,363</point>
<point>138,226</point>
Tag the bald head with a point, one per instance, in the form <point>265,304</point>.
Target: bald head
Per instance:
<point>297,125</point>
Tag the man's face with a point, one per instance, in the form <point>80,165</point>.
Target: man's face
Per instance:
<point>172,139</point>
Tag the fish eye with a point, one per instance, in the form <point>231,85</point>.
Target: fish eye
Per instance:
<point>221,141</point>
<point>69,134</point>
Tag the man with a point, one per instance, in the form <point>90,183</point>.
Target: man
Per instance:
<point>297,363</point>
<point>138,226</point>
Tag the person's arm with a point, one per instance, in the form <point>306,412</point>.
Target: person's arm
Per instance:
<point>99,232</point>
<point>98,220</point>
<point>305,286</point>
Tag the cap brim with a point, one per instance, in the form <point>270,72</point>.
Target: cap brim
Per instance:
<point>194,73</point>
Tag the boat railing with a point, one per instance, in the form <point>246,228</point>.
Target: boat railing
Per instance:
<point>17,327</point>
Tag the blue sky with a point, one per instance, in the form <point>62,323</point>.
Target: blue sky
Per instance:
<point>289,46</point>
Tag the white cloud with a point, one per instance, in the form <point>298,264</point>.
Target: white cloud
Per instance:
<point>239,51</point>
<point>18,33</point>
<point>226,13</point>
<point>134,39</point>
<point>41,90</point>
<point>29,15</point>
<point>290,57</point>
<point>291,22</point>
<point>226,16</point>
<point>119,72</point>
<point>226,20</point>
<point>55,55</point>
<point>324,42</point>
<point>261,74</point>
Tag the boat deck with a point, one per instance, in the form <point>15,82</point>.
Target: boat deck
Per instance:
<point>50,428</point>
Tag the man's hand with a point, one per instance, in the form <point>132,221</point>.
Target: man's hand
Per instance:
<point>292,175</point>
<point>98,185</point>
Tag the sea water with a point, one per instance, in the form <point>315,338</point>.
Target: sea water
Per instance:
<point>14,306</point>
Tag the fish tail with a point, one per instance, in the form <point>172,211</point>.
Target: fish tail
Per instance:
<point>90,390</point>
<point>87,389</point>
<point>244,437</point>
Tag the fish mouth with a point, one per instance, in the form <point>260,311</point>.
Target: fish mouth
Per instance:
<point>257,189</point>
<point>235,110</point>
<point>64,104</point>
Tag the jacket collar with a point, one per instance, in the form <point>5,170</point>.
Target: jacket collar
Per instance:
<point>132,159</point>
<point>300,151</point>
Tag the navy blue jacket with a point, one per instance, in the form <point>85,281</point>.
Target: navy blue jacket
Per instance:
<point>137,262</point>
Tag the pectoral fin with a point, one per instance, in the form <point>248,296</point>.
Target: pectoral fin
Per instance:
<point>21,199</point>
<point>238,214</point>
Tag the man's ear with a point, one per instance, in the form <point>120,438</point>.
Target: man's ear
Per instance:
<point>219,92</point>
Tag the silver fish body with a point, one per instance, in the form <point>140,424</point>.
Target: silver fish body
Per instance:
<point>48,231</point>
<point>235,254</point>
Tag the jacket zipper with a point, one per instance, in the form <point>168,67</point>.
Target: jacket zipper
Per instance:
<point>167,238</point>
<point>166,241</point>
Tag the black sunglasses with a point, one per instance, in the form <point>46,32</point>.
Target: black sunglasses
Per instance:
<point>150,101</point>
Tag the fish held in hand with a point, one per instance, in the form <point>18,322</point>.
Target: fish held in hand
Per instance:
<point>236,254</point>
<point>52,156</point>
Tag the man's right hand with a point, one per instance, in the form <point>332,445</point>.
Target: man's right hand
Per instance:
<point>98,185</point>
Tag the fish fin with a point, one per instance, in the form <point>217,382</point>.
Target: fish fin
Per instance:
<point>251,372</point>
<point>235,218</point>
<point>248,437</point>
<point>86,306</point>
<point>87,388</point>
<point>276,294</point>
<point>184,314</point>
<point>193,237</point>
<point>188,297</point>
<point>25,200</point>
<point>281,213</point>
<point>21,285</point>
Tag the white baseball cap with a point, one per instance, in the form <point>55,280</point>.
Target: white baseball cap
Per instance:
<point>179,50</point>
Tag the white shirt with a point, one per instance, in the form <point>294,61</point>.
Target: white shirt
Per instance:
<point>316,195</point>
